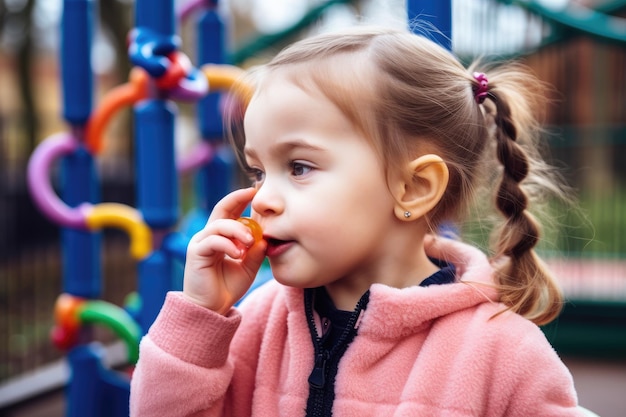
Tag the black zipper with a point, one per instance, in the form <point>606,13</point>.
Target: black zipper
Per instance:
<point>321,395</point>
<point>317,379</point>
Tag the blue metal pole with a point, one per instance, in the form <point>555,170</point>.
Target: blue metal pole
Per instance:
<point>76,74</point>
<point>157,183</point>
<point>214,180</point>
<point>82,275</point>
<point>156,278</point>
<point>157,15</point>
<point>81,249</point>
<point>210,50</point>
<point>438,13</point>
<point>83,392</point>
<point>94,390</point>
<point>157,186</point>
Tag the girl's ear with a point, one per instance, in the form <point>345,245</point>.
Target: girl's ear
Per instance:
<point>420,189</point>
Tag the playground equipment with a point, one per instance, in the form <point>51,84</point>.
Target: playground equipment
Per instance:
<point>161,74</point>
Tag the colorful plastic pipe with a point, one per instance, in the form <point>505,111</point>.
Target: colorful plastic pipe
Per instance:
<point>227,78</point>
<point>202,153</point>
<point>182,82</point>
<point>178,67</point>
<point>192,6</point>
<point>149,50</point>
<point>124,95</point>
<point>71,313</point>
<point>171,69</point>
<point>192,87</point>
<point>86,215</point>
<point>123,217</point>
<point>39,185</point>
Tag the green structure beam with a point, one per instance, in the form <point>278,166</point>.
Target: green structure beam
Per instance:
<point>598,23</point>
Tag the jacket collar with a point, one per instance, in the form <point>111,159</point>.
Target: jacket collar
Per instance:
<point>393,312</point>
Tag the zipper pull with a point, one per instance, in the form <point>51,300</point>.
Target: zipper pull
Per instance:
<point>317,379</point>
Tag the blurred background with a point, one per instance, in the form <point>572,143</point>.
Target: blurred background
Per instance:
<point>577,46</point>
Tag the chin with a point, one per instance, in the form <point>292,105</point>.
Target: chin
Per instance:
<point>290,280</point>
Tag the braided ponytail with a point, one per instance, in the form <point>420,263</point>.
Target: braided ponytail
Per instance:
<point>525,284</point>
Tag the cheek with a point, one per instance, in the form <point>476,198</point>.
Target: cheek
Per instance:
<point>345,215</point>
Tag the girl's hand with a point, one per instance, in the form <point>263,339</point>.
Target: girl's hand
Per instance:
<point>223,258</point>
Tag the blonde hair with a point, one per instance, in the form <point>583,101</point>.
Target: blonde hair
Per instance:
<point>408,96</point>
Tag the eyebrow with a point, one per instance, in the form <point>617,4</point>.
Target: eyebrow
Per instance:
<point>287,146</point>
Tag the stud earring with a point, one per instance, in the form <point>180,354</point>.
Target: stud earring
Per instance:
<point>407,214</point>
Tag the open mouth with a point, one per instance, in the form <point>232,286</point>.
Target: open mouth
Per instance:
<point>277,247</point>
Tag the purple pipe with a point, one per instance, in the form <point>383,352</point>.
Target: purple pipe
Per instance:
<point>191,6</point>
<point>201,154</point>
<point>39,185</point>
<point>190,88</point>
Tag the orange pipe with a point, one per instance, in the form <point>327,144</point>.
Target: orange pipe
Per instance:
<point>228,77</point>
<point>123,95</point>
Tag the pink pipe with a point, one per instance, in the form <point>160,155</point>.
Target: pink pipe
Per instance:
<point>189,7</point>
<point>41,191</point>
<point>200,155</point>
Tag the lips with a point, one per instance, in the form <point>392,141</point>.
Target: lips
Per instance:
<point>276,247</point>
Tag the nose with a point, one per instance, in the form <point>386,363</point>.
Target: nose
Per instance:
<point>268,200</point>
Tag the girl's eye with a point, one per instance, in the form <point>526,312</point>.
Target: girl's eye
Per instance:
<point>256,176</point>
<point>298,169</point>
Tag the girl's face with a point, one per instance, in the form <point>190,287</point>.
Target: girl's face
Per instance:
<point>322,199</point>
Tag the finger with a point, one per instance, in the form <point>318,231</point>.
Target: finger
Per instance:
<point>228,228</point>
<point>254,257</point>
<point>215,245</point>
<point>233,204</point>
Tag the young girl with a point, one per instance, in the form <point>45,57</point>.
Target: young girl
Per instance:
<point>360,145</point>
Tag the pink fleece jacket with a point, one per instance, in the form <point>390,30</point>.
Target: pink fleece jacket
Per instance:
<point>427,351</point>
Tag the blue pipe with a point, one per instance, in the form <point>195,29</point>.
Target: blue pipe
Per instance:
<point>76,74</point>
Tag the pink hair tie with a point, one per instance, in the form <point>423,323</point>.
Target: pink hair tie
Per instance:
<point>480,92</point>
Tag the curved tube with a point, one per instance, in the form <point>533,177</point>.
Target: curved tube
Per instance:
<point>66,311</point>
<point>227,77</point>
<point>191,6</point>
<point>116,319</point>
<point>72,312</point>
<point>126,218</point>
<point>201,154</point>
<point>123,95</point>
<point>40,187</point>
<point>191,87</point>
<point>148,49</point>
<point>179,67</point>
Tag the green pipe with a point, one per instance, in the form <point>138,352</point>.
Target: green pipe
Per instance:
<point>117,319</point>
<point>592,22</point>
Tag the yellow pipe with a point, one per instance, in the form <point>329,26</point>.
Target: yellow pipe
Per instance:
<point>126,218</point>
<point>228,77</point>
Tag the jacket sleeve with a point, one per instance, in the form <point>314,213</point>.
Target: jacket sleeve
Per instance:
<point>540,384</point>
<point>184,367</point>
